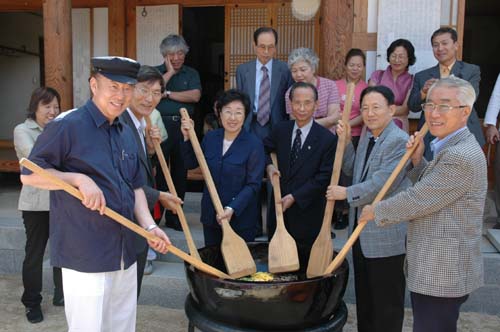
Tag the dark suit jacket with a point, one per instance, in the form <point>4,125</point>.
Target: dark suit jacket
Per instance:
<point>463,70</point>
<point>146,168</point>
<point>307,180</point>
<point>237,176</point>
<point>281,80</point>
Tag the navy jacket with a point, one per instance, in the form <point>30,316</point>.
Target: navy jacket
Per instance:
<point>237,176</point>
<point>307,180</point>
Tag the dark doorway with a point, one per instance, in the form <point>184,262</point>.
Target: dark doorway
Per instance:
<point>203,29</point>
<point>481,46</point>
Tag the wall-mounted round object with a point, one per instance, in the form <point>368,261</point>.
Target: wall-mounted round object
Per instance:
<point>305,10</point>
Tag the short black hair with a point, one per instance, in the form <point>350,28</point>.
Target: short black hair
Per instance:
<point>231,95</point>
<point>383,90</point>
<point>407,45</point>
<point>150,75</point>
<point>305,85</point>
<point>443,30</point>
<point>43,95</point>
<point>355,52</point>
<point>261,30</point>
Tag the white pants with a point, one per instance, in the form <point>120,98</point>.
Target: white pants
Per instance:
<point>100,302</point>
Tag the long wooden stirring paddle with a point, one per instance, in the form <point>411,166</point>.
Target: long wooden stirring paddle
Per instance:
<point>171,187</point>
<point>123,221</point>
<point>322,249</point>
<point>361,223</point>
<point>237,257</point>
<point>282,255</point>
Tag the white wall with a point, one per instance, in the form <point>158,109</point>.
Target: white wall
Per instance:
<point>20,73</point>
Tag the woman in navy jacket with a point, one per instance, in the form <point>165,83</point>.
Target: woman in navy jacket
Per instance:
<point>236,161</point>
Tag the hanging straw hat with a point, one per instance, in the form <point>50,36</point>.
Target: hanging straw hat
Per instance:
<point>305,10</point>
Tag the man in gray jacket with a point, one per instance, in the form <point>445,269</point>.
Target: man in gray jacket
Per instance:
<point>379,253</point>
<point>444,209</point>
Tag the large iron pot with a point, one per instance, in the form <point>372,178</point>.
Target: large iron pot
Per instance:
<point>268,306</point>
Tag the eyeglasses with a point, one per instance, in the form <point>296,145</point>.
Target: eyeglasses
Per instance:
<point>228,114</point>
<point>374,109</point>
<point>440,108</point>
<point>266,47</point>
<point>401,57</point>
<point>146,92</point>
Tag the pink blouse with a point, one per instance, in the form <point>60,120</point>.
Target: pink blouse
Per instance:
<point>355,110</point>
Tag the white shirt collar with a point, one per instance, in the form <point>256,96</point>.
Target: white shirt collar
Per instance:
<point>140,125</point>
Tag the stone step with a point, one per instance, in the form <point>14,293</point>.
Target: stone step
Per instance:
<point>494,237</point>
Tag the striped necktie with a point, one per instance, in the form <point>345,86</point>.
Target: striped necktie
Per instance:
<point>264,109</point>
<point>297,144</point>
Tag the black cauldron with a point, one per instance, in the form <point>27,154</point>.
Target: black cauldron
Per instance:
<point>270,306</point>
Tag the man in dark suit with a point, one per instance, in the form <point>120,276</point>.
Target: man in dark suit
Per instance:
<point>305,152</point>
<point>445,46</point>
<point>147,94</point>
<point>265,80</point>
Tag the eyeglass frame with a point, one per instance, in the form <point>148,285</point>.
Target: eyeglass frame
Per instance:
<point>439,108</point>
<point>148,92</point>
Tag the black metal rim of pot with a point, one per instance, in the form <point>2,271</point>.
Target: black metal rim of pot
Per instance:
<point>274,306</point>
<point>204,322</point>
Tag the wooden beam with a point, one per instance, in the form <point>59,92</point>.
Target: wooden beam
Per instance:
<point>365,41</point>
<point>360,16</point>
<point>58,50</point>
<point>131,29</point>
<point>116,27</point>
<point>337,22</point>
<point>36,5</point>
<point>460,27</point>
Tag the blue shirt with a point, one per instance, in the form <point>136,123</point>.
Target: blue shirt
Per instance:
<point>85,142</point>
<point>258,79</point>
<point>437,144</point>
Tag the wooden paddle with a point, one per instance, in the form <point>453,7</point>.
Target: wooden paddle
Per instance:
<point>180,212</point>
<point>362,223</point>
<point>237,257</point>
<point>322,249</point>
<point>122,220</point>
<point>282,255</point>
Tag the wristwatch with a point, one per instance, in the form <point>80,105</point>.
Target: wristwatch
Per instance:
<point>151,227</point>
<point>168,92</point>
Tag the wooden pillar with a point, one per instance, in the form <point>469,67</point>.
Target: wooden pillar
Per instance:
<point>131,27</point>
<point>337,21</point>
<point>58,49</point>
<point>116,27</point>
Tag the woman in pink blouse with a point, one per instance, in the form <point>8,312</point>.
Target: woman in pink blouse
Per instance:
<point>303,63</point>
<point>400,55</point>
<point>355,62</point>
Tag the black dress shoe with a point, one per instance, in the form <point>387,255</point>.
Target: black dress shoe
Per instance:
<point>34,315</point>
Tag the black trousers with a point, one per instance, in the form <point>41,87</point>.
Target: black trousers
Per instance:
<point>435,314</point>
<point>172,150</point>
<point>380,291</point>
<point>141,263</point>
<point>36,224</point>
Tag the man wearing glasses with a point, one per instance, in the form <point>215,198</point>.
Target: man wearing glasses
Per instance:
<point>265,80</point>
<point>444,209</point>
<point>445,47</point>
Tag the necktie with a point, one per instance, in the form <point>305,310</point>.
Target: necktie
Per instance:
<point>368,152</point>
<point>264,109</point>
<point>445,72</point>
<point>297,143</point>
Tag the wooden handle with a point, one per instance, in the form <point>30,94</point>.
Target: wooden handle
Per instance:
<point>339,154</point>
<point>171,187</point>
<point>277,194</point>
<point>122,220</point>
<point>203,166</point>
<point>362,223</point>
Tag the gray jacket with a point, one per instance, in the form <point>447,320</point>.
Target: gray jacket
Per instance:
<point>445,212</point>
<point>367,181</point>
<point>31,198</point>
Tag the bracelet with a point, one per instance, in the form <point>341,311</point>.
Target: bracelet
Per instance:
<point>228,207</point>
<point>151,227</point>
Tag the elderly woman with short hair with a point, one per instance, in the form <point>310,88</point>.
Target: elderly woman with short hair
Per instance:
<point>303,63</point>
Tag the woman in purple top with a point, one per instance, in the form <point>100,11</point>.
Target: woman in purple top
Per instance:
<point>400,55</point>
<point>303,63</point>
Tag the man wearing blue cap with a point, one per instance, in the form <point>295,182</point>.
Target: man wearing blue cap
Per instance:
<point>93,150</point>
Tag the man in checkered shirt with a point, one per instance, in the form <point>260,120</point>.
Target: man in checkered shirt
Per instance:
<point>444,209</point>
